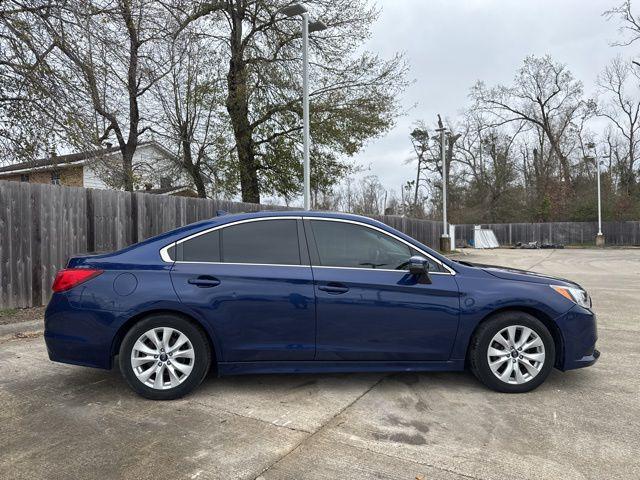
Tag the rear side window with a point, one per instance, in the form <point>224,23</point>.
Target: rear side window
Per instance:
<point>265,241</point>
<point>203,248</point>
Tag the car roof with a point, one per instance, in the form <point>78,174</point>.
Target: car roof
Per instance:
<point>232,217</point>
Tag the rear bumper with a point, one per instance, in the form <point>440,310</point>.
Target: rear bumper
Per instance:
<point>74,351</point>
<point>75,336</point>
<point>580,334</point>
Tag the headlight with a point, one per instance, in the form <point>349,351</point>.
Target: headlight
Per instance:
<point>576,295</point>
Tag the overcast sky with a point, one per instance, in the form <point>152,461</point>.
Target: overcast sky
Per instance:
<point>450,44</point>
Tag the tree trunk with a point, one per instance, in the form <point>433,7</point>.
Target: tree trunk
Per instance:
<point>133,87</point>
<point>238,107</point>
<point>193,169</point>
<point>127,167</point>
<point>630,180</point>
<point>564,163</point>
<point>197,179</point>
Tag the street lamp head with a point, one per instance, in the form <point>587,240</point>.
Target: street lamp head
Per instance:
<point>317,26</point>
<point>294,10</point>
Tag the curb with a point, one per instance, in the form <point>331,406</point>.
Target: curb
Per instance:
<point>12,329</point>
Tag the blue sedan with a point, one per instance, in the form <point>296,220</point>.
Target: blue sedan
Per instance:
<point>276,292</point>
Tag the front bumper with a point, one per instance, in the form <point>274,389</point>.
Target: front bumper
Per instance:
<point>579,336</point>
<point>587,360</point>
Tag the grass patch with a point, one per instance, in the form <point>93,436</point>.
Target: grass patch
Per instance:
<point>8,312</point>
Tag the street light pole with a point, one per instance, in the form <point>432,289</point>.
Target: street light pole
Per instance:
<point>599,200</point>
<point>307,27</point>
<point>600,236</point>
<point>305,111</point>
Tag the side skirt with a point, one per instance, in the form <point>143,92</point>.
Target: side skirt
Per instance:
<point>243,368</point>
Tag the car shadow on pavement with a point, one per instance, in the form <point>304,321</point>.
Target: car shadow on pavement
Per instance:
<point>279,387</point>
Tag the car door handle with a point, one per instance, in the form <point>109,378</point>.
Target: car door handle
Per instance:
<point>334,288</point>
<point>204,281</point>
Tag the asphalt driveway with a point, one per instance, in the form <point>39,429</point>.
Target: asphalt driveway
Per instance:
<point>59,422</point>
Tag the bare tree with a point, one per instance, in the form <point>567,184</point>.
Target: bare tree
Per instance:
<point>623,111</point>
<point>629,24</point>
<point>544,94</point>
<point>101,56</point>
<point>487,161</point>
<point>191,103</point>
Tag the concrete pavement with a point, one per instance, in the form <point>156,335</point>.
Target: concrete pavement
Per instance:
<point>59,421</point>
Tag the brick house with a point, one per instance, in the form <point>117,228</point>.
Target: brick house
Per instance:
<point>155,170</point>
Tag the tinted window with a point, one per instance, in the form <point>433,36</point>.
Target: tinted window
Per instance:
<point>203,248</point>
<point>266,241</point>
<point>343,244</point>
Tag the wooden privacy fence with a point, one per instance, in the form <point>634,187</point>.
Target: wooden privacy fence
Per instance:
<point>566,233</point>
<point>41,226</point>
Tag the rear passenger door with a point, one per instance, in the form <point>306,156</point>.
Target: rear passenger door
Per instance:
<point>252,282</point>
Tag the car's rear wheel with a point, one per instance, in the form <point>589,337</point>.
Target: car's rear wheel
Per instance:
<point>512,352</point>
<point>164,357</point>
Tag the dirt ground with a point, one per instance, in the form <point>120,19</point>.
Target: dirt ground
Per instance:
<point>19,315</point>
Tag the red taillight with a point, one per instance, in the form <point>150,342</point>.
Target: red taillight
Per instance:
<point>70,277</point>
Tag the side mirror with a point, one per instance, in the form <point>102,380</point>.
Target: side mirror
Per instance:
<point>419,266</point>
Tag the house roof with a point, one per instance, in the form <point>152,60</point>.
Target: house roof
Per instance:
<point>169,190</point>
<point>62,161</point>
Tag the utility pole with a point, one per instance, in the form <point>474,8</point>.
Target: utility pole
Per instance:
<point>445,241</point>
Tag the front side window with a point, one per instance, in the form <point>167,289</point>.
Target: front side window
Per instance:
<point>55,178</point>
<point>265,241</point>
<point>342,244</point>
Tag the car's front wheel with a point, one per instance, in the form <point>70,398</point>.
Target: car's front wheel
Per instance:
<point>512,352</point>
<point>164,357</point>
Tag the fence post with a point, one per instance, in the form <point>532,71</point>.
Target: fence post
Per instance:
<point>36,245</point>
<point>134,218</point>
<point>91,226</point>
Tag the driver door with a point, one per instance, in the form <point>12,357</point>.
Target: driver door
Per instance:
<point>368,306</point>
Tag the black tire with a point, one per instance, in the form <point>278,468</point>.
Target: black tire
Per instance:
<point>480,344</point>
<point>201,360</point>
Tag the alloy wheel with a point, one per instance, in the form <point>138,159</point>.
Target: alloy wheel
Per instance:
<point>516,354</point>
<point>162,358</point>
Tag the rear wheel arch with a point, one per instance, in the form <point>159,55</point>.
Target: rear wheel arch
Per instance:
<point>547,321</point>
<point>126,326</point>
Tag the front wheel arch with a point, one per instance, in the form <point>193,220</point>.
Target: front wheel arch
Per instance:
<point>548,322</point>
<point>486,370</point>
